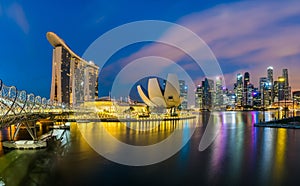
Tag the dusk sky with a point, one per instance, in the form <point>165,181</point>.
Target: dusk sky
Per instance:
<point>243,35</point>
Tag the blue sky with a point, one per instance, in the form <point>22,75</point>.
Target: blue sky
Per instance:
<point>244,35</point>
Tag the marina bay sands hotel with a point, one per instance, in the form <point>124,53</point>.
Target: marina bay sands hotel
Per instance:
<point>74,80</point>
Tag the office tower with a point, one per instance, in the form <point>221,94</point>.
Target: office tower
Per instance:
<point>275,90</point>
<point>270,74</point>
<point>286,77</point>
<point>287,88</point>
<point>281,88</point>
<point>199,97</point>
<point>270,78</point>
<point>230,99</point>
<point>239,90</point>
<point>74,80</point>
<point>264,89</point>
<point>256,98</point>
<point>296,98</point>
<point>219,96</point>
<point>183,93</point>
<point>246,79</point>
<point>245,91</point>
<point>249,95</point>
<point>208,93</point>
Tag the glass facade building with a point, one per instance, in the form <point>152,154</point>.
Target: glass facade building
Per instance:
<point>74,80</point>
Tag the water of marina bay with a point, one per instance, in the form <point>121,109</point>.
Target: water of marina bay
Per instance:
<point>241,154</point>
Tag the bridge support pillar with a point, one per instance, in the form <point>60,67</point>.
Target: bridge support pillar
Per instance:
<point>28,127</point>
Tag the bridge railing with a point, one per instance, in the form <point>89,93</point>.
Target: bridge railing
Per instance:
<point>14,103</point>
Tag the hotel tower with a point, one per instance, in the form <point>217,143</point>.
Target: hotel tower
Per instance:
<point>74,80</point>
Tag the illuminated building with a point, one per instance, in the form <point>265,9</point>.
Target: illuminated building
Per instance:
<point>264,89</point>
<point>275,91</point>
<point>205,95</point>
<point>208,94</point>
<point>245,91</point>
<point>169,98</point>
<point>270,74</point>
<point>219,96</point>
<point>249,95</point>
<point>183,94</point>
<point>287,88</point>
<point>281,88</point>
<point>270,79</point>
<point>296,97</point>
<point>238,89</point>
<point>230,100</point>
<point>199,97</point>
<point>74,80</point>
<point>285,75</point>
<point>256,98</point>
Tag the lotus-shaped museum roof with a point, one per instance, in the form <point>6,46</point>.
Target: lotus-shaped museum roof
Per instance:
<point>168,98</point>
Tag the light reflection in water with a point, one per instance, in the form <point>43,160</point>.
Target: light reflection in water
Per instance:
<point>218,147</point>
<point>279,162</point>
<point>253,142</point>
<point>267,149</point>
<point>240,154</point>
<point>137,133</point>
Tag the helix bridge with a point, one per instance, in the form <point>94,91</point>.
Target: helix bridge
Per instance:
<point>22,109</point>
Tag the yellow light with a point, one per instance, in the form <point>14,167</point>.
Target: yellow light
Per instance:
<point>281,79</point>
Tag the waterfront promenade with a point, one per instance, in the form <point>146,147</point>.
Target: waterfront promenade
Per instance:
<point>291,123</point>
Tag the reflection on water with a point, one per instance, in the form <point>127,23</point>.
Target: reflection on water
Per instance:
<point>240,154</point>
<point>279,161</point>
<point>140,133</point>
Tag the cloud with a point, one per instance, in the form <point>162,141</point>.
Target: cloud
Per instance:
<point>16,12</point>
<point>249,35</point>
<point>252,34</point>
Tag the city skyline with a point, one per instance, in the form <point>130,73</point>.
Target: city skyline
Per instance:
<point>149,92</point>
<point>271,41</point>
<point>213,93</point>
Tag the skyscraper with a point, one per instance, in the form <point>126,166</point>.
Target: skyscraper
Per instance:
<point>246,79</point>
<point>285,75</point>
<point>264,87</point>
<point>281,88</point>
<point>199,97</point>
<point>287,88</point>
<point>276,90</point>
<point>74,80</point>
<point>270,74</point>
<point>183,93</point>
<point>249,95</point>
<point>246,84</point>
<point>219,98</point>
<point>239,90</point>
<point>271,82</point>
<point>208,93</point>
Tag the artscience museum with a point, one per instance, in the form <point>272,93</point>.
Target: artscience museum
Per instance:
<point>168,98</point>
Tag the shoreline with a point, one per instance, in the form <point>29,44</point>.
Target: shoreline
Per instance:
<point>289,123</point>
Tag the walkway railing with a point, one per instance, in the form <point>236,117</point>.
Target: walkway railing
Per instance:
<point>17,105</point>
